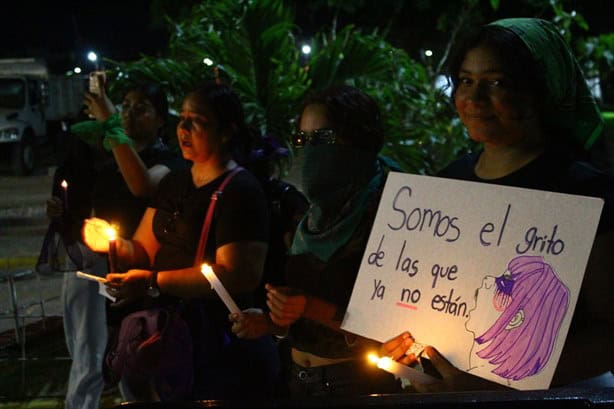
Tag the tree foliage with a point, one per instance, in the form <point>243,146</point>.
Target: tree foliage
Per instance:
<point>251,44</point>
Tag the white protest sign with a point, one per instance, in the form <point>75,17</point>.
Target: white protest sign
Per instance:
<point>487,274</point>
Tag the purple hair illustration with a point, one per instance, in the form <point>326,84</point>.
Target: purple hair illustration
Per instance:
<point>532,301</point>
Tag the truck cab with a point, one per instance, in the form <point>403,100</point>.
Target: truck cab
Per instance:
<point>22,121</point>
<point>31,102</point>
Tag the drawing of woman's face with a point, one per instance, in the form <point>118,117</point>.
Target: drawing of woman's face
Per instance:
<point>484,314</point>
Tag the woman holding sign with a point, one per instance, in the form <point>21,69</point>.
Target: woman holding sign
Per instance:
<point>521,94</point>
<point>340,135</point>
<point>213,135</point>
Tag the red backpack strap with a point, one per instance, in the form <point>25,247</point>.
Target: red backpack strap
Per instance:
<point>204,233</point>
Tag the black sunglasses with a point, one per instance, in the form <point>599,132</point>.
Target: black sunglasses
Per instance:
<point>322,136</point>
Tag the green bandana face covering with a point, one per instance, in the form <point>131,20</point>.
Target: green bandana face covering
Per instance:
<point>338,180</point>
<point>328,169</point>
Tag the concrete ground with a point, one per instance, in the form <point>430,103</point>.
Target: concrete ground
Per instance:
<point>22,227</point>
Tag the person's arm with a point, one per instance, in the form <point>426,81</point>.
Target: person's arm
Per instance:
<point>141,181</point>
<point>238,266</point>
<point>254,323</point>
<point>288,305</point>
<point>142,249</point>
<point>452,378</point>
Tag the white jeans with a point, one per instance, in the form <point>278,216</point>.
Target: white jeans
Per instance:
<point>85,330</point>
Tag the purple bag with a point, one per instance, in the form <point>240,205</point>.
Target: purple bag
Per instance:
<point>153,345</point>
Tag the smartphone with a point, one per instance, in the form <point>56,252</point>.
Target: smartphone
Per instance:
<point>91,277</point>
<point>94,84</point>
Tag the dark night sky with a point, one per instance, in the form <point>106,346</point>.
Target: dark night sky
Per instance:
<point>64,31</point>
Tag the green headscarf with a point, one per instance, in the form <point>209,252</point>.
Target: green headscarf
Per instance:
<point>571,107</point>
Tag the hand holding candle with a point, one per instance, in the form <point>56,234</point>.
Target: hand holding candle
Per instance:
<point>218,287</point>
<point>401,371</point>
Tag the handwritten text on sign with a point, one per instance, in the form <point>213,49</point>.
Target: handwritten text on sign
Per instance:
<point>479,271</point>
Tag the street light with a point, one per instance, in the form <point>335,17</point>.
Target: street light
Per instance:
<point>92,56</point>
<point>306,49</point>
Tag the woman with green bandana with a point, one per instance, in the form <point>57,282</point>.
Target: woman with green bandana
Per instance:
<point>340,136</point>
<point>522,96</point>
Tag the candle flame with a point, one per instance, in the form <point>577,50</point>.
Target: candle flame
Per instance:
<point>64,184</point>
<point>382,363</point>
<point>111,233</point>
<point>206,269</point>
<point>373,358</point>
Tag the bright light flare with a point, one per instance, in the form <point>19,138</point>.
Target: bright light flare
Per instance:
<point>111,233</point>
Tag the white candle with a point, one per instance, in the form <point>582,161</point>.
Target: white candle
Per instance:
<point>112,234</point>
<point>64,185</point>
<point>218,287</point>
<point>401,371</point>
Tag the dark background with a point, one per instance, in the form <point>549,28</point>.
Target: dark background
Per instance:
<point>64,31</point>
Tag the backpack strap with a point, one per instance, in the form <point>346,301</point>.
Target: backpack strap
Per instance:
<point>204,233</point>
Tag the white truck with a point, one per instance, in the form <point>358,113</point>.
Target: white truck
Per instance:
<point>33,104</point>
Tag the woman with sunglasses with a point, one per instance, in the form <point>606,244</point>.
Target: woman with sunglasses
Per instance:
<point>340,136</point>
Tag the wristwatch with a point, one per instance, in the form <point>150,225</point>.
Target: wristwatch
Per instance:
<point>153,290</point>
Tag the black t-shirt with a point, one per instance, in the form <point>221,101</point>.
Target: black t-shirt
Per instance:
<point>551,171</point>
<point>241,214</point>
<point>111,197</point>
<point>287,206</point>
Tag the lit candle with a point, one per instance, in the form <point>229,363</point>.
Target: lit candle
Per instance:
<point>400,370</point>
<point>218,287</point>
<point>112,235</point>
<point>64,185</point>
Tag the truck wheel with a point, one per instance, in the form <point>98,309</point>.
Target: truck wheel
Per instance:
<point>22,155</point>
